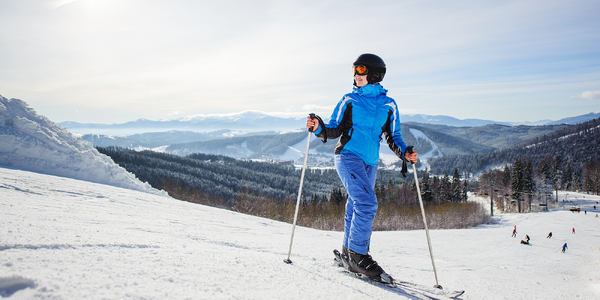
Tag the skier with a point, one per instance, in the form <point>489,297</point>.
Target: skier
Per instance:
<point>573,232</point>
<point>527,241</point>
<point>514,234</point>
<point>549,235</point>
<point>362,118</point>
<point>564,248</point>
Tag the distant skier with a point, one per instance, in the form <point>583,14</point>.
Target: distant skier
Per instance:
<point>527,241</point>
<point>549,235</point>
<point>564,248</point>
<point>573,232</point>
<point>596,215</point>
<point>514,233</point>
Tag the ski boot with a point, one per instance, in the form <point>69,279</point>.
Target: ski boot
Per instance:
<point>364,264</point>
<point>342,259</point>
<point>345,260</point>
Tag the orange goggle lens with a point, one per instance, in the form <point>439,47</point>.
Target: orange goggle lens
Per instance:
<point>360,70</point>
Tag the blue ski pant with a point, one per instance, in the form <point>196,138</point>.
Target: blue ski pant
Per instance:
<point>361,207</point>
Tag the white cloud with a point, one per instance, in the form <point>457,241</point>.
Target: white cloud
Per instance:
<point>592,95</point>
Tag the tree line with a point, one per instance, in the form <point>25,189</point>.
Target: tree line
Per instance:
<point>522,184</point>
<point>223,176</point>
<point>577,145</point>
<point>270,190</point>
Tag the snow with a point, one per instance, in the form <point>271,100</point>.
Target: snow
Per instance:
<point>425,156</point>
<point>78,236</point>
<point>32,142</point>
<point>80,240</point>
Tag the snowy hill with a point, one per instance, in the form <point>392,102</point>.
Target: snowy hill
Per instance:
<point>69,239</point>
<point>32,142</point>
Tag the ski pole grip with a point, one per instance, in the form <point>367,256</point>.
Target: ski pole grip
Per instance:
<point>312,116</point>
<point>409,149</point>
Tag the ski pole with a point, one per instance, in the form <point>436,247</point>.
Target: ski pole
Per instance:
<point>288,261</point>
<point>410,150</point>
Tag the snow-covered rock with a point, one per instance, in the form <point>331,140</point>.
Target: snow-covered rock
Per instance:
<point>32,142</point>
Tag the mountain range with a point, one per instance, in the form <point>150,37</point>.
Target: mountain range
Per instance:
<point>430,140</point>
<point>238,135</point>
<point>254,121</point>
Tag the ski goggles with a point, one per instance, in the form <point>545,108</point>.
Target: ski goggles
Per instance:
<point>360,70</point>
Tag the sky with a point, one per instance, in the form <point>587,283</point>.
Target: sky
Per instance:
<point>95,231</point>
<point>114,61</point>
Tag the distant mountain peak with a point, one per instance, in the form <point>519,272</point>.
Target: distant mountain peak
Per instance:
<point>246,114</point>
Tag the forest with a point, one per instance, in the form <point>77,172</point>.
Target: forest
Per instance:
<point>224,177</point>
<point>566,160</point>
<point>270,190</point>
<point>575,144</point>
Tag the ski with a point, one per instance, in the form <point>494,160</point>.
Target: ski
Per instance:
<point>406,286</point>
<point>432,290</point>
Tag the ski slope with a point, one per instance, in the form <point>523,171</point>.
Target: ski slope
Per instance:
<point>97,232</point>
<point>64,238</point>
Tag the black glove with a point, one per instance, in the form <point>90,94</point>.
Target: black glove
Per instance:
<point>404,170</point>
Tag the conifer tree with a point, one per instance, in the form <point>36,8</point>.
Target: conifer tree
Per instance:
<point>568,177</point>
<point>336,196</point>
<point>557,175</point>
<point>528,182</point>
<point>444,189</point>
<point>506,179</point>
<point>546,174</point>
<point>516,185</point>
<point>435,189</point>
<point>456,187</point>
<point>425,188</point>
<point>324,199</point>
<point>314,200</point>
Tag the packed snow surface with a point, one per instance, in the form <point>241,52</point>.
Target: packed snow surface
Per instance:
<point>32,142</point>
<point>74,225</point>
<point>63,238</point>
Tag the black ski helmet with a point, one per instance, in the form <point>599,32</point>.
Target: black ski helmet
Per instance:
<point>375,65</point>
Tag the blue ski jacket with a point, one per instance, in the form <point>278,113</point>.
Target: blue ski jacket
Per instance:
<point>361,118</point>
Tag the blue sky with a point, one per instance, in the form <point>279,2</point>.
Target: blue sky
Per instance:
<point>113,61</point>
